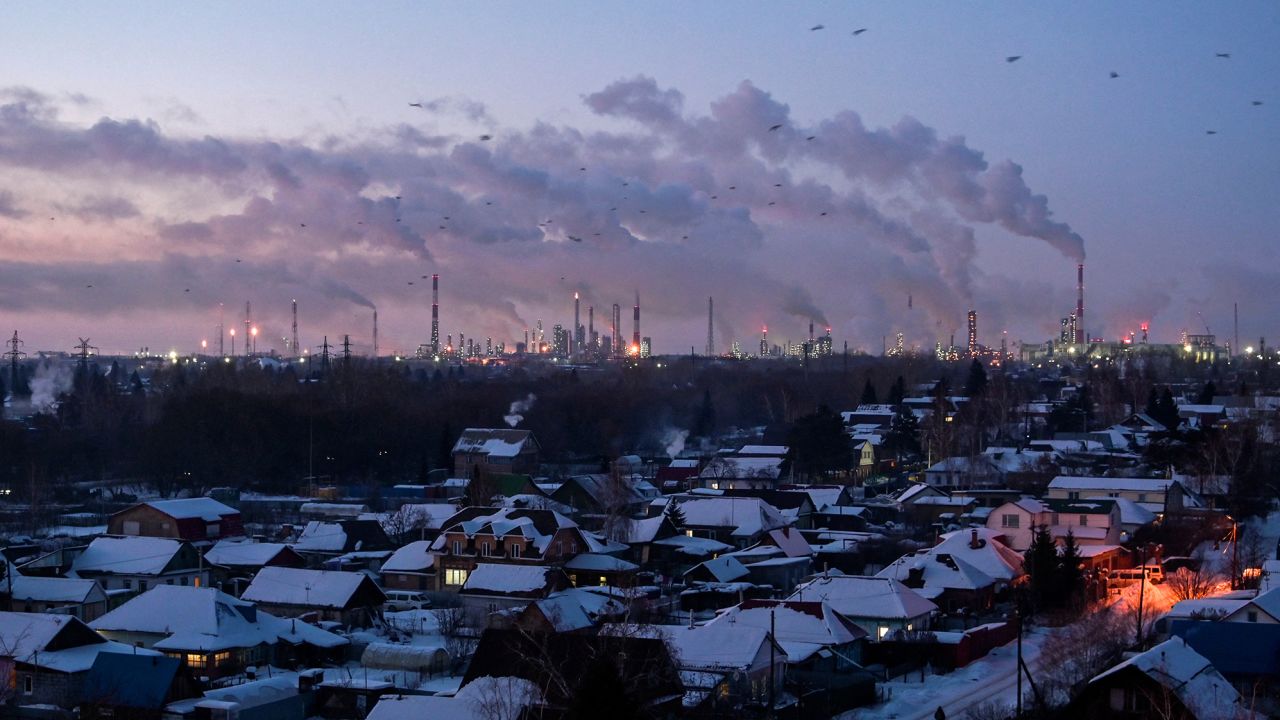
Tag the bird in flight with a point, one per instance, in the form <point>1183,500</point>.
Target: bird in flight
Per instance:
<point>1256,103</point>
<point>1210,132</point>
<point>777,184</point>
<point>575,238</point>
<point>1114,74</point>
<point>485,138</point>
<point>88,286</point>
<point>237,259</point>
<point>812,137</point>
<point>417,105</point>
<point>302,224</point>
<point>823,215</point>
<point>187,290</point>
<point>772,202</point>
<point>859,31</point>
<point>1013,58</point>
<point>816,27</point>
<point>772,128</point>
<point>1224,56</point>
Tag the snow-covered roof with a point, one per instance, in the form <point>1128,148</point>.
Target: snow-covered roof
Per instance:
<point>321,536</point>
<point>763,451</point>
<point>486,698</point>
<point>497,442</point>
<point>642,531</point>
<point>414,557</point>
<point>939,572</point>
<point>304,588</point>
<point>132,555</point>
<point>595,562</point>
<point>743,467</point>
<point>1072,482</point>
<point>508,579</point>
<point>1206,607</point>
<point>696,546</point>
<point>913,491</point>
<point>207,619</point>
<point>801,628</point>
<point>1189,676</point>
<point>790,541</point>
<point>575,609</point>
<point>26,638</point>
<point>725,568</point>
<point>203,508</point>
<point>242,552</point>
<point>52,589</point>
<point>860,596</point>
<point>748,516</point>
<point>712,647</point>
<point>952,501</point>
<point>1131,513</point>
<point>991,556</point>
<point>536,525</point>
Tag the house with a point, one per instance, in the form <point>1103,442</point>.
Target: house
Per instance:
<point>503,535</point>
<point>948,581</point>
<point>213,634</point>
<point>875,604</point>
<point>723,569</point>
<point>485,698</point>
<point>738,521</point>
<point>640,535</point>
<point>82,598</point>
<point>984,550</point>
<point>322,541</point>
<point>46,658</point>
<point>1158,495</point>
<point>572,610</point>
<point>965,473</point>
<point>678,475</point>
<point>1247,655</point>
<point>350,598</point>
<point>412,567</point>
<point>562,662</point>
<point>823,649</point>
<point>495,451</point>
<point>1170,680</point>
<point>940,510</point>
<point>795,505</point>
<point>419,521</point>
<point>600,570</point>
<point>600,494</point>
<point>140,563</point>
<point>234,561</point>
<point>196,520</point>
<point>1091,522</point>
<point>864,454</point>
<point>491,588</point>
<point>133,687</point>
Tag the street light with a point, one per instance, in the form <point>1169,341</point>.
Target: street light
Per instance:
<point>1142,582</point>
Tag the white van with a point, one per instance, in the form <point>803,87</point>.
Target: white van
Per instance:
<point>398,600</point>
<point>1129,576</point>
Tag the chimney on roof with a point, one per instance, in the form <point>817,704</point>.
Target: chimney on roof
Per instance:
<point>973,539</point>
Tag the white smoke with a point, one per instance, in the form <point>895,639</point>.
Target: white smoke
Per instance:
<point>673,440</point>
<point>49,382</point>
<point>515,413</point>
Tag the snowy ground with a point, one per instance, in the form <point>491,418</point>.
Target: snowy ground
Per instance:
<point>990,680</point>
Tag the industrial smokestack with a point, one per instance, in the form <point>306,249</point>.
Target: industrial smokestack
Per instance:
<point>435,314</point>
<point>619,348</point>
<point>1080,336</point>
<point>635,317</point>
<point>375,333</point>
<point>575,337</point>
<point>973,333</point>
<point>711,337</point>
<point>294,340</point>
<point>591,326</point>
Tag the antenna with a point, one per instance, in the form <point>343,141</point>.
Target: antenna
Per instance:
<point>14,353</point>
<point>324,354</point>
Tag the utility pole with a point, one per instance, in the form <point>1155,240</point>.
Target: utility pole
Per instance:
<point>324,355</point>
<point>14,353</point>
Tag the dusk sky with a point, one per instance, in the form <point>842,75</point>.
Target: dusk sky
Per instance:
<point>157,159</point>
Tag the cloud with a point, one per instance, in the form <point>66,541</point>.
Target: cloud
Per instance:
<point>9,206</point>
<point>677,202</point>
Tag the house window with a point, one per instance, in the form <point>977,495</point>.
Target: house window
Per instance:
<point>185,580</point>
<point>28,684</point>
<point>457,547</point>
<point>142,586</point>
<point>197,660</point>
<point>222,658</point>
<point>484,549</point>
<point>603,581</point>
<point>455,576</point>
<point>688,533</point>
<point>882,631</point>
<point>1009,521</point>
<point>1084,521</point>
<point>1142,497</point>
<point>1252,615</point>
<point>127,584</point>
<point>168,581</point>
<point>1073,495</point>
<point>212,530</point>
<point>1053,520</point>
<point>515,551</point>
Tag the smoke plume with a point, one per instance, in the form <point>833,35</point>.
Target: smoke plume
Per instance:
<point>48,384</point>
<point>515,413</point>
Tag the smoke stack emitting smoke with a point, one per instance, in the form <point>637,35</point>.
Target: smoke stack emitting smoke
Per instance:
<point>1080,335</point>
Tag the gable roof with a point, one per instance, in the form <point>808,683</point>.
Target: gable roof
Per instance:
<point>504,579</point>
<point>938,572</point>
<point>748,516</point>
<point>131,555</point>
<point>307,588</point>
<point>861,596</point>
<point>241,552</point>
<point>535,524</point>
<point>801,628</point>
<point>497,442</point>
<point>53,589</point>
<point>725,568</point>
<point>202,508</point>
<point>1073,482</point>
<point>414,557</point>
<point>992,556</point>
<point>1186,673</point>
<point>128,680</point>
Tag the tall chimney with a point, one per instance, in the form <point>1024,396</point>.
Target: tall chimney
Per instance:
<point>575,337</point>
<point>1080,336</point>
<point>435,314</point>
<point>248,327</point>
<point>375,333</point>
<point>711,336</point>
<point>619,347</point>
<point>294,346</point>
<point>591,325</point>
<point>635,317</point>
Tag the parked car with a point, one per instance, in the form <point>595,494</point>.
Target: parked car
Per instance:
<point>399,600</point>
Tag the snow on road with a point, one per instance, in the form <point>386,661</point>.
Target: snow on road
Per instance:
<point>989,680</point>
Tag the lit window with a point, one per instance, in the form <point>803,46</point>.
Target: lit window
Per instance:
<point>603,581</point>
<point>881,632</point>
<point>197,660</point>
<point>484,549</point>
<point>688,533</point>
<point>455,576</point>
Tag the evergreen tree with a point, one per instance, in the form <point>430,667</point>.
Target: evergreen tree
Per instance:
<point>704,424</point>
<point>903,437</point>
<point>1167,411</point>
<point>977,382</point>
<point>868,394</point>
<point>897,391</point>
<point>1070,578</point>
<point>1153,403</point>
<point>1041,565</point>
<point>135,384</point>
<point>1206,394</point>
<point>818,443</point>
<point>675,514</point>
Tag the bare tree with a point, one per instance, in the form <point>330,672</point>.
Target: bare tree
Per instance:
<point>1079,651</point>
<point>403,524</point>
<point>460,636</point>
<point>1189,583</point>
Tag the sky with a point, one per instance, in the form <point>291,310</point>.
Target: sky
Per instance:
<point>161,161</point>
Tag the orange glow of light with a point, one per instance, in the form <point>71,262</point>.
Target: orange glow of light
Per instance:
<point>634,350</point>
<point>254,332</point>
<point>233,332</point>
